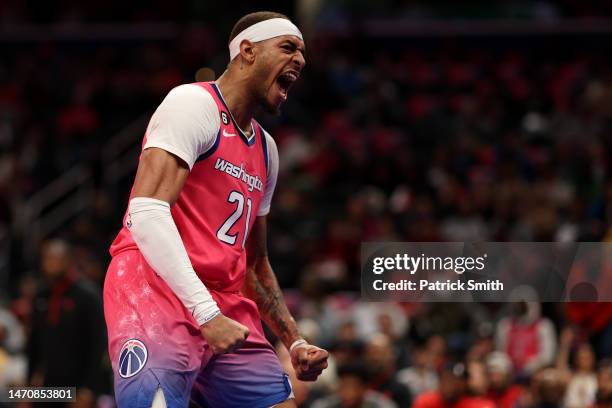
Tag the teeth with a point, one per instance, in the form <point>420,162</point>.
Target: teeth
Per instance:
<point>290,76</point>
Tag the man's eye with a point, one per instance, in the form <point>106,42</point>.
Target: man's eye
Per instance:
<point>287,48</point>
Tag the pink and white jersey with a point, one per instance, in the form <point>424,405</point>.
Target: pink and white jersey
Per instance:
<point>231,181</point>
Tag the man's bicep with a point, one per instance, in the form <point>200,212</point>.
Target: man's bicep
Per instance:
<point>160,175</point>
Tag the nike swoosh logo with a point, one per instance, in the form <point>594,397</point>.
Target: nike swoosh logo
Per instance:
<point>228,134</point>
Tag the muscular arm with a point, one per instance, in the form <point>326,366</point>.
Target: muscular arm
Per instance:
<point>159,180</point>
<point>160,175</point>
<point>262,287</point>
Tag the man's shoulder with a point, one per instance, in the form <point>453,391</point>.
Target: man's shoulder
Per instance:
<point>188,95</point>
<point>194,99</point>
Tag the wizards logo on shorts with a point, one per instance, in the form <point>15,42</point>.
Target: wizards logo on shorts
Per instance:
<point>132,358</point>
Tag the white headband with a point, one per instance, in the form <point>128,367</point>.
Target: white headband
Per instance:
<point>264,30</point>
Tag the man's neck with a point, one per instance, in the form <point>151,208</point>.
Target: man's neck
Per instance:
<point>233,88</point>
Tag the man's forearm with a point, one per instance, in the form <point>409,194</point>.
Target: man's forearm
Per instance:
<point>158,239</point>
<point>262,287</point>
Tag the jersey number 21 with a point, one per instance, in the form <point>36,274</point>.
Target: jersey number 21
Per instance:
<point>223,232</point>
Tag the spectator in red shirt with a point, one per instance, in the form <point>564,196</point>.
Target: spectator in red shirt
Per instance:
<point>528,338</point>
<point>452,392</point>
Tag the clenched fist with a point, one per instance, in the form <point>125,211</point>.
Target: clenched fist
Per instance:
<point>224,334</point>
<point>308,361</point>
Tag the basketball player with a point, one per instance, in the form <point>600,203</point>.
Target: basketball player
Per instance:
<point>190,279</point>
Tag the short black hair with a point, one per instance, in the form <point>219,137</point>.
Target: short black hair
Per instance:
<point>253,18</point>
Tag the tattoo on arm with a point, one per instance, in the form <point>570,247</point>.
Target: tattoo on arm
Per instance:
<point>262,287</point>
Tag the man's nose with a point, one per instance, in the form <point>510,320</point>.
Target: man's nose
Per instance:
<point>299,60</point>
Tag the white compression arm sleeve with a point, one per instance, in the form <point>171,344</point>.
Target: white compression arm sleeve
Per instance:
<point>159,241</point>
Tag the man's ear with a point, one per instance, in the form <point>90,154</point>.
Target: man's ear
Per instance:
<point>247,51</point>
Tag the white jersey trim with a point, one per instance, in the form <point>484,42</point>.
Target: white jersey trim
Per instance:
<point>266,200</point>
<point>185,124</point>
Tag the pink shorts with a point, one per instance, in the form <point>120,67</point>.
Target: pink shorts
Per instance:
<point>154,342</point>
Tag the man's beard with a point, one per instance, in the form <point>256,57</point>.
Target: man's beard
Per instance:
<point>265,105</point>
<point>261,94</point>
<point>272,110</point>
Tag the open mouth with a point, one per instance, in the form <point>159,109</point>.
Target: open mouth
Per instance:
<point>285,82</point>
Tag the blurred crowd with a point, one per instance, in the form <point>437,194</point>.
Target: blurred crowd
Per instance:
<point>420,139</point>
<point>524,354</point>
<point>329,11</point>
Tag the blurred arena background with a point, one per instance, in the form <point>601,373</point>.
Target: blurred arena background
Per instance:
<point>413,121</point>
